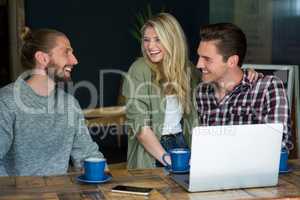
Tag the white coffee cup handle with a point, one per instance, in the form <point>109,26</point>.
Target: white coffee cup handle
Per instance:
<point>164,159</point>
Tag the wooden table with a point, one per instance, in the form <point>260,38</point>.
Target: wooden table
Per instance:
<point>67,188</point>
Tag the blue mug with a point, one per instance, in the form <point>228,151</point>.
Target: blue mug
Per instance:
<point>180,159</point>
<point>94,169</point>
<point>283,165</point>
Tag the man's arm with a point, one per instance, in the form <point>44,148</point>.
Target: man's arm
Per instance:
<point>6,134</point>
<point>278,108</point>
<point>83,145</point>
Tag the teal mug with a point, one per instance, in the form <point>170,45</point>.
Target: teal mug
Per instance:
<point>180,159</point>
<point>283,165</point>
<point>94,169</point>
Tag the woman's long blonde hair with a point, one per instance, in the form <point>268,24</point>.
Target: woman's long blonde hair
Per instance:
<point>173,73</point>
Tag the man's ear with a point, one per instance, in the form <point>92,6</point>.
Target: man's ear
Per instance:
<point>42,59</point>
<point>233,61</point>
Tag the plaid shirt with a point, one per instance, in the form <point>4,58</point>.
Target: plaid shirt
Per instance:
<point>264,101</point>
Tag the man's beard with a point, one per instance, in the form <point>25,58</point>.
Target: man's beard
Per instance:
<point>56,74</point>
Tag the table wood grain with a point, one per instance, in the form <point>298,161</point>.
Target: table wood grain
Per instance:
<point>68,188</point>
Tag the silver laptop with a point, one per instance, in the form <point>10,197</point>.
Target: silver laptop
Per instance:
<point>234,156</point>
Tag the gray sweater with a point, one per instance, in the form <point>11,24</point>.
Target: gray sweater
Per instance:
<point>38,134</point>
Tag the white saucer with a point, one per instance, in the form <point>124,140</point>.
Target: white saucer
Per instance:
<point>83,180</point>
<point>289,169</point>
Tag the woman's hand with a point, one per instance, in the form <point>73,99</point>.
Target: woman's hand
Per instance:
<point>151,143</point>
<point>107,172</point>
<point>253,75</point>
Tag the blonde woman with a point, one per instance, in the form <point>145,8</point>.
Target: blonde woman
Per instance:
<point>158,91</point>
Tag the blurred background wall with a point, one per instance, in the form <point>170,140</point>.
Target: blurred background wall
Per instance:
<point>99,32</point>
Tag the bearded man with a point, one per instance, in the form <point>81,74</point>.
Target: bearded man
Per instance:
<point>42,126</point>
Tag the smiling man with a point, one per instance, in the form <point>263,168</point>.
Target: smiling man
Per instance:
<point>226,96</point>
<point>41,126</point>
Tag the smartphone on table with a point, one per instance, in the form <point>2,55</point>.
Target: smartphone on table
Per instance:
<point>131,190</point>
